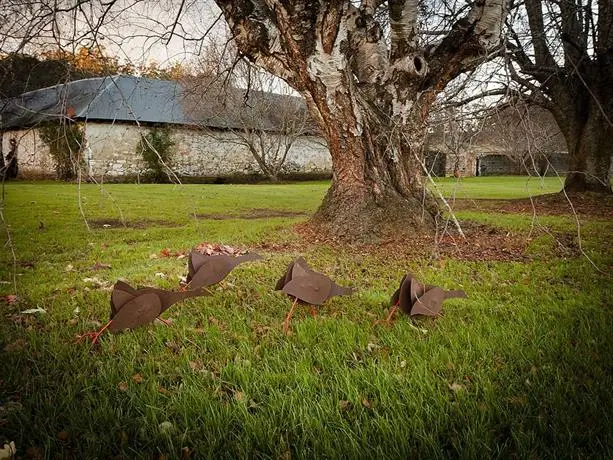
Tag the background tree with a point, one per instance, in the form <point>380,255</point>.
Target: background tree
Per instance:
<point>266,124</point>
<point>527,134</point>
<point>452,130</point>
<point>20,73</point>
<point>369,77</point>
<point>561,56</point>
<point>262,114</point>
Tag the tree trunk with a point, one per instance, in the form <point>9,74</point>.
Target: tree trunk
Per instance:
<point>377,190</point>
<point>1,154</point>
<point>590,147</point>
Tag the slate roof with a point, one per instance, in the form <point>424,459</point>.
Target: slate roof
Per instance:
<point>130,99</point>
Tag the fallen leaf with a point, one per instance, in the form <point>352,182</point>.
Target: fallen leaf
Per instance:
<point>95,281</point>
<point>10,299</point>
<point>69,268</point>
<point>455,387</point>
<point>366,403</point>
<point>344,405</point>
<point>17,345</point>
<point>73,322</point>
<point>99,266</point>
<point>35,453</point>
<point>239,396</point>
<point>215,322</point>
<point>63,435</point>
<point>196,366</point>
<point>166,427</point>
<point>8,450</point>
<point>422,330</point>
<point>186,452</point>
<point>159,322</point>
<point>123,386</point>
<point>30,311</point>
<point>211,249</point>
<point>138,378</point>
<point>372,346</point>
<point>173,346</point>
<point>164,391</point>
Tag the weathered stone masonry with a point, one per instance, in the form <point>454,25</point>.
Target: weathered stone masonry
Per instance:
<point>111,153</point>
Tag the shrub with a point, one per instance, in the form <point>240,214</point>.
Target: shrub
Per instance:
<point>156,149</point>
<point>65,141</point>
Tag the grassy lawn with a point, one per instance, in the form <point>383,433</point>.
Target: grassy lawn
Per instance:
<point>505,187</point>
<point>523,367</point>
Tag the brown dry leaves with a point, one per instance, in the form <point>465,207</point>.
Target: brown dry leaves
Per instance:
<point>215,249</point>
<point>482,242</point>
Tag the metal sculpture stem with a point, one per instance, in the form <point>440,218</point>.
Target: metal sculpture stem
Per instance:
<point>95,335</point>
<point>289,316</point>
<point>394,308</point>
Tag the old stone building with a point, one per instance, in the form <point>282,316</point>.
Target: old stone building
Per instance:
<point>518,139</point>
<point>115,112</point>
<point>207,129</point>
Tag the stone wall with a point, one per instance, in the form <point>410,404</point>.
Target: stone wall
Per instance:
<point>495,165</point>
<point>111,153</point>
<point>33,157</point>
<point>542,165</point>
<point>464,164</point>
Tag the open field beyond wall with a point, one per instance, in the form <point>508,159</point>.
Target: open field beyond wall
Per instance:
<point>520,368</point>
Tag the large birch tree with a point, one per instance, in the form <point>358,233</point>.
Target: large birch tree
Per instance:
<point>369,78</point>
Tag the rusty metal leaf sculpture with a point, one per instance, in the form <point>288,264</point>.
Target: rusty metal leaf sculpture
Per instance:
<point>205,270</point>
<point>415,298</point>
<point>307,286</point>
<point>141,309</point>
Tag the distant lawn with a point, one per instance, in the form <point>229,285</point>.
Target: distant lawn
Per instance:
<point>498,187</point>
<point>522,368</point>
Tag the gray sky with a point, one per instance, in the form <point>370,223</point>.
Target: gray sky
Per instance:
<point>134,30</point>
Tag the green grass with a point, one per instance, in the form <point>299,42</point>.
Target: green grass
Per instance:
<point>498,187</point>
<point>520,368</point>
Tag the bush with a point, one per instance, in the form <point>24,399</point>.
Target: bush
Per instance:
<point>156,149</point>
<point>65,141</point>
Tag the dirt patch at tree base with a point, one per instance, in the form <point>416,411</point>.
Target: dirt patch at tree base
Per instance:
<point>482,243</point>
<point>253,214</point>
<point>141,223</point>
<point>555,204</point>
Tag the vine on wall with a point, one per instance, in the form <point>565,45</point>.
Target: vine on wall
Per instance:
<point>65,141</point>
<point>156,149</point>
